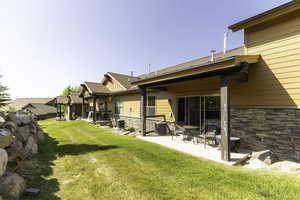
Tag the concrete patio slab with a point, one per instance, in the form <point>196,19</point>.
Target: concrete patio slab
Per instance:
<point>198,150</point>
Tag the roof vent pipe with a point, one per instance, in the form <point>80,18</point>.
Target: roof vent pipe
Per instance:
<point>225,41</point>
<point>212,57</point>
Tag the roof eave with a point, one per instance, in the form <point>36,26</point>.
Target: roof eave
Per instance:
<point>266,16</point>
<point>235,61</point>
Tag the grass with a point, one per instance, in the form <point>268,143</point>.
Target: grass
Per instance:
<point>79,161</point>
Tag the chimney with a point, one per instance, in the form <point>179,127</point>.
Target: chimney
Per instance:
<point>131,73</point>
<point>212,57</point>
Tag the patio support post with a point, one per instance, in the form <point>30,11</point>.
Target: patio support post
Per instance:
<point>82,109</point>
<point>143,110</point>
<point>94,109</point>
<point>57,110</point>
<point>225,119</point>
<point>60,111</point>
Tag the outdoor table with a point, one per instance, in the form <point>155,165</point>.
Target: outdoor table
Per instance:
<point>234,142</point>
<point>188,130</point>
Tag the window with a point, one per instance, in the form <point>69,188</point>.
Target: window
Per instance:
<point>212,107</point>
<point>150,105</point>
<point>118,106</point>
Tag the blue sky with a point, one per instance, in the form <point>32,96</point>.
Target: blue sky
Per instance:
<point>46,45</point>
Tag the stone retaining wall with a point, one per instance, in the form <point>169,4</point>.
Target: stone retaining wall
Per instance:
<point>276,129</point>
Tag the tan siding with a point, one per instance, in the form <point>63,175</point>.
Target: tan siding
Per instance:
<point>113,85</point>
<point>275,81</point>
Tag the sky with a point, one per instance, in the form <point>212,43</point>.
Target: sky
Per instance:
<point>46,45</point>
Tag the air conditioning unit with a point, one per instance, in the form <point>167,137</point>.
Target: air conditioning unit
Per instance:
<point>121,124</point>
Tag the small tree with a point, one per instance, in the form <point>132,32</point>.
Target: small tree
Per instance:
<point>69,90</point>
<point>4,96</point>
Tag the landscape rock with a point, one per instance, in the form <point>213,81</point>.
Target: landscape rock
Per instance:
<point>2,121</point>
<point>267,156</point>
<point>40,136</point>
<point>261,160</point>
<point>12,117</point>
<point>3,161</point>
<point>4,132</point>
<point>11,126</point>
<point>23,133</point>
<point>24,118</point>
<point>12,186</point>
<point>31,147</point>
<point>16,151</point>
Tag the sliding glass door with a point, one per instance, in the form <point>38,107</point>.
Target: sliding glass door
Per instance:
<point>198,110</point>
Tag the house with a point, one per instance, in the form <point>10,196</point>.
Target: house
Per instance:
<point>40,111</point>
<point>19,103</point>
<point>252,92</point>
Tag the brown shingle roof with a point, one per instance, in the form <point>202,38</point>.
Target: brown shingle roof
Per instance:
<point>62,100</point>
<point>124,80</point>
<point>19,103</point>
<point>39,109</point>
<point>97,88</point>
<point>183,66</point>
<point>75,99</point>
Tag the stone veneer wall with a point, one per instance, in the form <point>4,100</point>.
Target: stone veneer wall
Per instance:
<point>277,129</point>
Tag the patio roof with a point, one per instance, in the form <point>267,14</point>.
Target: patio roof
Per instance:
<point>94,89</point>
<point>62,100</point>
<point>204,69</point>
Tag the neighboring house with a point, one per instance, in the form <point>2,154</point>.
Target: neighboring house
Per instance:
<point>252,92</point>
<point>40,111</point>
<point>72,106</point>
<point>19,103</point>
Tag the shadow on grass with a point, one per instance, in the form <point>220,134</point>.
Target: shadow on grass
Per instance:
<point>37,171</point>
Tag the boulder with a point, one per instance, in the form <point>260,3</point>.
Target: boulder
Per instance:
<point>4,132</point>
<point>6,141</point>
<point>12,117</point>
<point>11,126</point>
<point>24,118</point>
<point>262,160</point>
<point>6,138</point>
<point>12,186</point>
<point>2,121</point>
<point>16,151</point>
<point>40,136</point>
<point>31,147</point>
<point>23,133</point>
<point>3,161</point>
<point>267,156</point>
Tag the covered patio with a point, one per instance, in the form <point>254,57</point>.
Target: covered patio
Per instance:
<point>96,96</point>
<point>198,150</point>
<point>227,70</point>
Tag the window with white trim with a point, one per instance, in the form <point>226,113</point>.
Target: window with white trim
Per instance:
<point>118,106</point>
<point>151,106</point>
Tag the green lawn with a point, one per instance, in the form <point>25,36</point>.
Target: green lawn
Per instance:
<point>81,162</point>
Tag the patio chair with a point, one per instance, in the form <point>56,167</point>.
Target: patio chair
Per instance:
<point>208,133</point>
<point>179,130</point>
